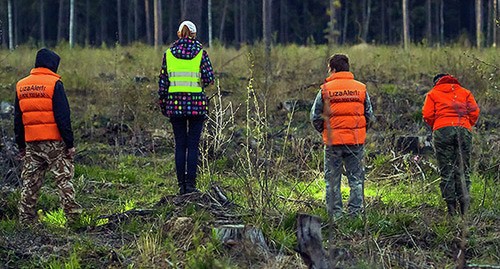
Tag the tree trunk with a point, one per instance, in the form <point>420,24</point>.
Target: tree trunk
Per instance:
<point>267,22</point>
<point>171,13</point>
<point>87,22</point>
<point>17,35</point>
<point>490,23</point>
<point>129,22</point>
<point>71,23</point>
<point>332,35</point>
<point>136,21</point>
<point>160,17</point>
<point>119,20</point>
<point>243,21</point>
<point>42,23</point>
<point>209,23</point>
<point>4,31</point>
<point>479,24</point>
<point>267,31</point>
<point>236,24</point>
<point>254,24</point>
<point>390,25</point>
<point>223,21</point>
<point>283,22</point>
<point>11,25</point>
<point>383,19</point>
<point>495,26</point>
<point>148,21</point>
<point>346,17</point>
<point>60,21</point>
<point>428,10</point>
<point>156,13</point>
<point>104,26</point>
<point>366,22</point>
<point>406,25</point>
<point>310,242</point>
<point>441,22</point>
<point>183,9</point>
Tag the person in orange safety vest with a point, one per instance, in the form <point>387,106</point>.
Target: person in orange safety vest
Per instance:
<point>44,136</point>
<point>340,112</point>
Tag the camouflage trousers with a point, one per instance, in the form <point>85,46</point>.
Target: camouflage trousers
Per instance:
<point>350,158</point>
<point>453,147</point>
<point>40,157</point>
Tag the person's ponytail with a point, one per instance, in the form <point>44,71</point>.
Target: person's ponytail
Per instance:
<point>186,33</point>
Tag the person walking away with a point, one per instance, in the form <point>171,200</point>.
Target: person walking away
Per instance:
<point>186,71</point>
<point>44,136</point>
<point>340,112</point>
<point>452,111</point>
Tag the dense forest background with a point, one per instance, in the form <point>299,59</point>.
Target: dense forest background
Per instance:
<point>236,22</point>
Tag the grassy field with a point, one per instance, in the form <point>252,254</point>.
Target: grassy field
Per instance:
<point>261,151</point>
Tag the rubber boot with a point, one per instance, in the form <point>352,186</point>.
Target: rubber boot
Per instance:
<point>452,207</point>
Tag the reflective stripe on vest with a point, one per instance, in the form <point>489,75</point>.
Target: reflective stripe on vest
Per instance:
<point>184,83</point>
<point>184,74</point>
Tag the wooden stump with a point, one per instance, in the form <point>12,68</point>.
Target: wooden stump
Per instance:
<point>310,242</point>
<point>239,234</point>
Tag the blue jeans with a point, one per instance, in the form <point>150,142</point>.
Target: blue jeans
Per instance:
<point>349,157</point>
<point>187,133</point>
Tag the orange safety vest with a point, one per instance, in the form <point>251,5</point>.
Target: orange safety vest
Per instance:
<point>35,101</point>
<point>344,104</point>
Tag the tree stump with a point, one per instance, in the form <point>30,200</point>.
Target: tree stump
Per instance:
<point>239,234</point>
<point>310,242</point>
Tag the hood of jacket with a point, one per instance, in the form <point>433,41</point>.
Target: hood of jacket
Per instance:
<point>448,79</point>
<point>48,59</point>
<point>186,48</point>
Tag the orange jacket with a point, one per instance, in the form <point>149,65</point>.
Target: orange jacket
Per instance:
<point>35,101</point>
<point>344,100</point>
<point>449,104</point>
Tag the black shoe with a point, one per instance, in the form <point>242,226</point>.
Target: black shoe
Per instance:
<point>191,185</point>
<point>191,190</point>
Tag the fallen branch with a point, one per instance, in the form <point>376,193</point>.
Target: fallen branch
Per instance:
<point>481,61</point>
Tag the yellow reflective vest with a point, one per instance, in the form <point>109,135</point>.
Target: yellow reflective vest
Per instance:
<point>184,74</point>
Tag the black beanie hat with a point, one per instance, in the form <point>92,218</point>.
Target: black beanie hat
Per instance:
<point>438,76</point>
<point>48,59</point>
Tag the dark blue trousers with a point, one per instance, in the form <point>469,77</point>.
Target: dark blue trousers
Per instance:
<point>187,133</point>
